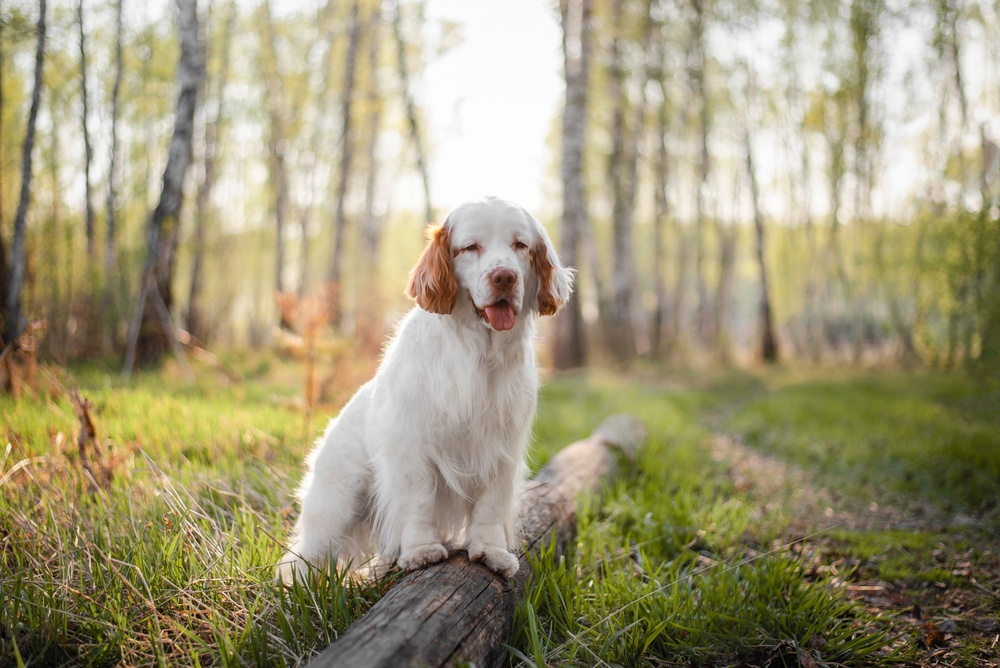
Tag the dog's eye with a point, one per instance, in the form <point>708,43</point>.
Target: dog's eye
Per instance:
<point>471,248</point>
<point>520,246</point>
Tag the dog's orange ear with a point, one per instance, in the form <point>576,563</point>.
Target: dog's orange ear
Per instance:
<point>554,281</point>
<point>433,284</point>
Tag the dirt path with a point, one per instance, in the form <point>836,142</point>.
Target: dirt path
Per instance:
<point>787,489</point>
<point>953,620</point>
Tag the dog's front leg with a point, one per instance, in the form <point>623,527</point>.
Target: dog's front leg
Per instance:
<point>408,514</point>
<point>492,521</point>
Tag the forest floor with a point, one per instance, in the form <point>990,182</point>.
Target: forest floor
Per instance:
<point>935,575</point>
<point>783,517</point>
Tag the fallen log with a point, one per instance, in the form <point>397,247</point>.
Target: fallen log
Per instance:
<point>460,613</point>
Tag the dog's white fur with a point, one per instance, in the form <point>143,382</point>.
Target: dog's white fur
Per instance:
<point>427,455</point>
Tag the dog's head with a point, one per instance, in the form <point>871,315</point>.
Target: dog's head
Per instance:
<point>497,256</point>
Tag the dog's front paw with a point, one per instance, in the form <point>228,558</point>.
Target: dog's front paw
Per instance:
<point>421,556</point>
<point>292,568</point>
<point>497,559</point>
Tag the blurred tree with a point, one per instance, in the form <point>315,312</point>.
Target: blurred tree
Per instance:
<point>697,58</point>
<point>768,342</point>
<point>568,344</point>
<point>371,222</point>
<point>319,101</point>
<point>213,119</point>
<point>14,320</point>
<point>88,151</point>
<point>111,234</point>
<point>277,141</point>
<point>623,160</point>
<point>343,173</point>
<point>148,333</point>
<point>411,109</point>
<point>661,332</point>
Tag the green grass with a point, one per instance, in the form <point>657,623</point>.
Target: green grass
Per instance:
<point>670,562</point>
<point>886,436</point>
<point>171,563</point>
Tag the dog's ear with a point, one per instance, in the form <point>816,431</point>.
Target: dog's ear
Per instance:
<point>555,282</point>
<point>433,284</point>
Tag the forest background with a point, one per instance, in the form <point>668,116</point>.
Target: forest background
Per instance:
<point>243,185</point>
<point>814,181</point>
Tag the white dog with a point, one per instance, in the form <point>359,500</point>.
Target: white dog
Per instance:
<point>429,452</point>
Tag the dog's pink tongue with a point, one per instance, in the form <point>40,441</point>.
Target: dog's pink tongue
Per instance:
<point>501,316</point>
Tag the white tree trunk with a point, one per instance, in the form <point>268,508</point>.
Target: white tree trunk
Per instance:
<point>13,318</point>
<point>148,334</point>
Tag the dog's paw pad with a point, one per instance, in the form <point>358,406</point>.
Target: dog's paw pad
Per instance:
<point>496,559</point>
<point>422,556</point>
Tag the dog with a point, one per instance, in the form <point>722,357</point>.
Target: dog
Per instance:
<point>429,453</point>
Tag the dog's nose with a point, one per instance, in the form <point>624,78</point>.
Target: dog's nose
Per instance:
<point>503,279</point>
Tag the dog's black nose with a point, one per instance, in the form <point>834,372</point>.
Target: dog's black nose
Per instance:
<point>503,279</point>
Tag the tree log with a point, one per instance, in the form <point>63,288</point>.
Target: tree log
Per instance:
<point>459,612</point>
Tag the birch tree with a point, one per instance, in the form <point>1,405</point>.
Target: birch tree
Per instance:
<point>411,110</point>
<point>768,342</point>
<point>111,231</point>
<point>696,74</point>
<point>88,151</point>
<point>277,141</point>
<point>569,346</point>
<point>371,225</point>
<point>150,331</point>
<point>14,320</point>
<point>194,318</point>
<point>344,169</point>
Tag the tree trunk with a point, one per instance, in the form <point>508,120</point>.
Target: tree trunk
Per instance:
<point>696,73</point>
<point>148,334</point>
<point>568,346</point>
<point>904,329</point>
<point>370,308</point>
<point>411,111</point>
<point>768,343</point>
<point>659,334</point>
<point>622,168</point>
<point>344,171</point>
<point>460,613</point>
<point>833,262</point>
<point>88,151</point>
<point>305,218</point>
<point>194,319</point>
<point>14,320</point>
<point>110,273</point>
<point>276,141</point>
<point>3,244</point>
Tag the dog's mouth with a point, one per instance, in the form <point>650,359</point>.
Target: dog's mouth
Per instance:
<point>500,315</point>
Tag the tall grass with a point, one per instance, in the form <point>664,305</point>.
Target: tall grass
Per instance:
<point>879,437</point>
<point>673,565</point>
<point>171,563</point>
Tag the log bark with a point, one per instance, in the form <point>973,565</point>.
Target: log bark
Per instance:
<point>460,613</point>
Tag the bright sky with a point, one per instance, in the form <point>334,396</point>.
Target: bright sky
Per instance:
<point>490,101</point>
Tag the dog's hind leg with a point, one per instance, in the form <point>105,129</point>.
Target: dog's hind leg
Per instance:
<point>335,501</point>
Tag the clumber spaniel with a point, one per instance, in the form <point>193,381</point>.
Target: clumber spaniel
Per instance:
<point>428,453</point>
